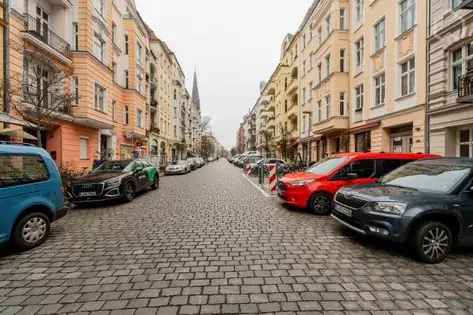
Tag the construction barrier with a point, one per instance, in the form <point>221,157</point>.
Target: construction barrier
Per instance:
<point>273,178</point>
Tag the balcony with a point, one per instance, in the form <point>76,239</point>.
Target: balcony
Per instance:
<point>465,89</point>
<point>465,4</point>
<point>44,35</point>
<point>332,125</point>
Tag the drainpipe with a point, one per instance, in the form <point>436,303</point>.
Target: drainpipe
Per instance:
<point>6,54</point>
<point>427,90</point>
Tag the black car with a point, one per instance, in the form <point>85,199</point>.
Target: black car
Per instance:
<point>427,205</point>
<point>115,180</point>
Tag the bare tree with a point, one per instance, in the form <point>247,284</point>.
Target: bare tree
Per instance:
<point>207,147</point>
<point>205,124</point>
<point>268,141</point>
<point>42,93</point>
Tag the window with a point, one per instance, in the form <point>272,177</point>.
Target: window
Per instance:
<point>407,9</point>
<point>84,148</point>
<point>114,32</point>
<point>319,109</point>
<point>126,116</point>
<point>359,53</point>
<point>408,77</point>
<point>359,98</point>
<point>114,110</point>
<point>139,118</point>
<point>380,93</point>
<point>99,47</point>
<point>139,54</point>
<point>461,62</point>
<point>319,35</point>
<point>465,147</point>
<point>328,27</point>
<point>327,66</point>
<point>379,35</point>
<point>75,35</point>
<point>358,10</point>
<point>100,6</point>
<point>455,3</point>
<point>389,165</point>
<point>75,90</point>
<point>342,60</point>
<point>363,142</point>
<point>285,106</point>
<point>127,45</point>
<point>342,103</point>
<point>457,67</point>
<point>16,169</point>
<point>319,72</point>
<point>327,106</point>
<point>304,95</point>
<point>342,19</point>
<point>114,71</point>
<point>363,168</point>
<point>99,97</point>
<point>127,79</point>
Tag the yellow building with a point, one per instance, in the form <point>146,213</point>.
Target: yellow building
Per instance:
<point>352,78</point>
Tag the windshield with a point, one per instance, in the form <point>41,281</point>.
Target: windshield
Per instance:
<point>427,177</point>
<point>112,166</point>
<point>327,166</point>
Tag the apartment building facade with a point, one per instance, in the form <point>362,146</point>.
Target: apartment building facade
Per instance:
<point>356,73</point>
<point>450,78</point>
<point>127,89</point>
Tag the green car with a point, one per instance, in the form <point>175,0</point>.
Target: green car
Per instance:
<point>115,180</point>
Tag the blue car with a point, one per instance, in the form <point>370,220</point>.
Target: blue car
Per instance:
<point>31,195</point>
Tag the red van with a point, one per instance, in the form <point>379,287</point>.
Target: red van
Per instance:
<point>314,189</point>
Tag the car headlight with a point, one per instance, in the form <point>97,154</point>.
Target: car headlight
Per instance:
<point>301,183</point>
<point>113,182</point>
<point>394,208</point>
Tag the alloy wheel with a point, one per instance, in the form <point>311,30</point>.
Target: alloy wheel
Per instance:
<point>320,204</point>
<point>436,243</point>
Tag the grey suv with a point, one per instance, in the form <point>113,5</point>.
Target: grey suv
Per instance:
<point>427,205</point>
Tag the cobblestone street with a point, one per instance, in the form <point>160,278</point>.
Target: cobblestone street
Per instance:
<point>210,243</point>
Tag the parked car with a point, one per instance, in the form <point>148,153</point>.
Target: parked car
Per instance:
<point>427,205</point>
<point>282,167</point>
<point>115,180</point>
<point>31,195</point>
<point>235,158</point>
<point>252,161</point>
<point>314,189</point>
<point>178,167</point>
<point>194,164</point>
<point>200,162</point>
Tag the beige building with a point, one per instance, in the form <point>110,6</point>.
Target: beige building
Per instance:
<point>352,78</point>
<point>450,77</point>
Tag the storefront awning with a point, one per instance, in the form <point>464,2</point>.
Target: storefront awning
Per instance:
<point>17,133</point>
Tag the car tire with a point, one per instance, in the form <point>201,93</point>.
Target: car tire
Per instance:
<point>129,192</point>
<point>320,204</point>
<point>155,184</point>
<point>31,231</point>
<point>432,242</point>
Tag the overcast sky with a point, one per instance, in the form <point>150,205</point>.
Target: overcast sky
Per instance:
<point>233,44</point>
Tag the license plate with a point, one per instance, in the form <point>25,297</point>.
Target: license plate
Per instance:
<point>343,210</point>
<point>88,194</point>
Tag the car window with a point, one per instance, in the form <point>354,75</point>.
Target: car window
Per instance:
<point>362,168</point>
<point>20,169</point>
<point>387,166</point>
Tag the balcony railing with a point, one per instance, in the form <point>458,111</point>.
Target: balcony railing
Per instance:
<point>465,88</point>
<point>41,31</point>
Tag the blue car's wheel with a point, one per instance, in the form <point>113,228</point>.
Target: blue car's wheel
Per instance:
<point>31,231</point>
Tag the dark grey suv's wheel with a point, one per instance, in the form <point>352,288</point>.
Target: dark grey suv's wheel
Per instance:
<point>433,242</point>
<point>320,204</point>
<point>31,231</point>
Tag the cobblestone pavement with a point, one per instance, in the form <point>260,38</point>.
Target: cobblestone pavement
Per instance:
<point>210,243</point>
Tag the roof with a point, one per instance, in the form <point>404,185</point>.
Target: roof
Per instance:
<point>22,149</point>
<point>195,92</point>
<point>453,161</point>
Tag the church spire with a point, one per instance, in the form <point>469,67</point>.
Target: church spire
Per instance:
<point>195,92</point>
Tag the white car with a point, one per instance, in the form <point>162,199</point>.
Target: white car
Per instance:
<point>179,167</point>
